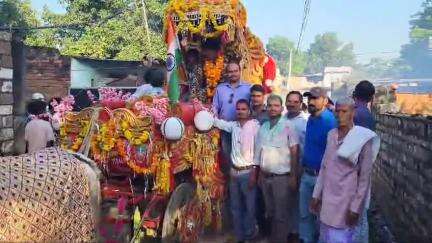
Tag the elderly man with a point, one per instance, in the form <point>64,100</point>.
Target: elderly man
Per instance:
<point>343,183</point>
<point>243,173</point>
<point>276,151</point>
<point>320,122</point>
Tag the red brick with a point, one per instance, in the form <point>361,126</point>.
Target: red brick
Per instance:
<point>5,47</point>
<point>6,61</point>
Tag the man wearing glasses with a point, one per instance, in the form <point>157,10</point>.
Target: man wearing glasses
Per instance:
<point>224,107</point>
<point>225,100</point>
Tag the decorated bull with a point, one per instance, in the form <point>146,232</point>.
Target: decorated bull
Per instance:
<point>210,33</point>
<point>158,156</point>
<point>49,196</point>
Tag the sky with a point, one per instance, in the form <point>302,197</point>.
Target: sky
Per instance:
<point>374,26</point>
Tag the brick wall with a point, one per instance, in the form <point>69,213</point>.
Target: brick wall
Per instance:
<point>46,72</point>
<point>6,95</point>
<point>402,180</point>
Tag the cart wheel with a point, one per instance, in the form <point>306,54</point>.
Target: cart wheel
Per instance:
<point>181,195</point>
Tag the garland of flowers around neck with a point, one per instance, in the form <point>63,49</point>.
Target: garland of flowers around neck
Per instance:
<point>207,12</point>
<point>213,73</point>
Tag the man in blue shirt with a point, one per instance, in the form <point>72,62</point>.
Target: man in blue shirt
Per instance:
<point>229,92</point>
<point>363,94</point>
<point>224,103</point>
<point>320,122</point>
<point>224,107</point>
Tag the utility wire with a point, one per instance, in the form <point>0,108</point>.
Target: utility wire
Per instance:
<point>63,26</point>
<point>306,11</point>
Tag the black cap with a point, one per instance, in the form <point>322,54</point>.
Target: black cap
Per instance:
<point>316,92</point>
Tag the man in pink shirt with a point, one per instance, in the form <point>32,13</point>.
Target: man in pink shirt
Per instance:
<point>243,172</point>
<point>342,186</point>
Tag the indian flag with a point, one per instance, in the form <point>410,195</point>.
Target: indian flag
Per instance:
<point>174,62</point>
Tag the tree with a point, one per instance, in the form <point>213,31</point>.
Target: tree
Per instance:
<point>105,29</point>
<point>326,51</point>
<point>418,53</point>
<point>279,48</point>
<point>382,68</point>
<point>17,13</point>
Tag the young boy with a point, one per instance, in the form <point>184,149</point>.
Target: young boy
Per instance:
<point>155,78</point>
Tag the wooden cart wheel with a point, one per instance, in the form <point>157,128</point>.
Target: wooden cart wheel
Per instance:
<point>181,195</point>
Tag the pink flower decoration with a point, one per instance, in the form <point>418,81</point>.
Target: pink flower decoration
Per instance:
<point>91,96</point>
<point>158,110</point>
<point>111,94</point>
<point>65,106</point>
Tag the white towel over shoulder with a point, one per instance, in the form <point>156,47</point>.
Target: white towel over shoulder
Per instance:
<point>354,141</point>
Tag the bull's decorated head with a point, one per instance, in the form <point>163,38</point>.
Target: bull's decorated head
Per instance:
<point>217,30</point>
<point>207,18</point>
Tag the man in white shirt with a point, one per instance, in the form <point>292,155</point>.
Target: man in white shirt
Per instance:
<point>297,116</point>
<point>243,173</point>
<point>276,151</point>
<point>39,133</point>
<point>155,78</point>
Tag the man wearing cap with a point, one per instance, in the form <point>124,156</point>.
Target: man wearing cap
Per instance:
<point>320,122</point>
<point>38,96</point>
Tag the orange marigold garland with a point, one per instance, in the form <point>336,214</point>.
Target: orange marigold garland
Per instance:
<point>213,73</point>
<point>131,161</point>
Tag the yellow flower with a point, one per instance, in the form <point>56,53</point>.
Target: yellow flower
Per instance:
<point>144,137</point>
<point>124,125</point>
<point>79,140</point>
<point>128,134</point>
<point>137,141</point>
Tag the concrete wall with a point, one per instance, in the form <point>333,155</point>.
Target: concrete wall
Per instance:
<point>6,95</point>
<point>402,180</point>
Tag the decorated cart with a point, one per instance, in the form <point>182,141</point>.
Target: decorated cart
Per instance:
<point>160,155</point>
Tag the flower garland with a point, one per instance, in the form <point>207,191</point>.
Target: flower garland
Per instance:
<point>107,136</point>
<point>111,94</point>
<point>158,109</point>
<point>163,177</point>
<point>134,137</point>
<point>62,108</point>
<point>207,12</point>
<point>213,73</point>
<point>162,165</point>
<point>130,161</point>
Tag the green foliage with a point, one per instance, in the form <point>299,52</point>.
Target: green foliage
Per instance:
<point>382,68</point>
<point>14,13</point>
<point>279,48</point>
<point>418,53</point>
<point>326,51</point>
<point>105,29</point>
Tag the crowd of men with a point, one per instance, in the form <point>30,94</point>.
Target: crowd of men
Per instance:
<point>296,176</point>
